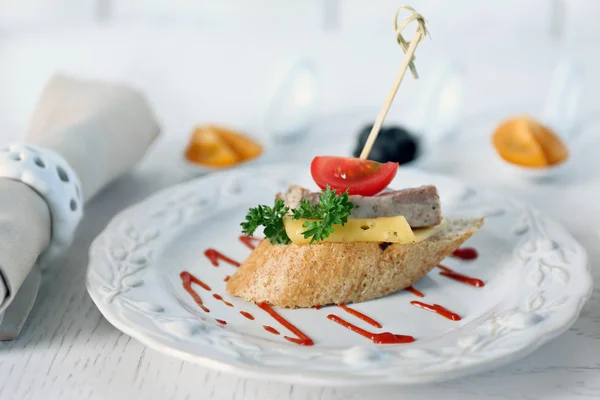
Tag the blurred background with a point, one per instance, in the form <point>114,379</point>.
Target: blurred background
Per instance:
<point>200,60</point>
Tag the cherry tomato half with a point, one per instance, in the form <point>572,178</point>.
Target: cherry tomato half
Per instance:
<point>363,177</point>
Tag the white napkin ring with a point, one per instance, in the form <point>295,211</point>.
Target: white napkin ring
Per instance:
<point>46,172</point>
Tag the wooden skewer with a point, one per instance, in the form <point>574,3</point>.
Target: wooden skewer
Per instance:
<point>406,63</point>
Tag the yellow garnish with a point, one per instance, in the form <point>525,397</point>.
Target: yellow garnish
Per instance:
<point>526,142</point>
<point>219,147</point>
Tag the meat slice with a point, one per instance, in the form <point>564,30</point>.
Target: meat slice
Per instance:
<point>420,206</point>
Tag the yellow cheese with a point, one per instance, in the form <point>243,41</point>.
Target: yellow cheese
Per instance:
<point>392,229</point>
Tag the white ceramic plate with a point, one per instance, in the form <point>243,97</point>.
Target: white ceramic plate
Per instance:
<point>536,280</point>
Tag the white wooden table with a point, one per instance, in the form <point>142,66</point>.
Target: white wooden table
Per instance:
<point>68,351</point>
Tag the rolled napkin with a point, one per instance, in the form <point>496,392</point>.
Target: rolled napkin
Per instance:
<point>17,260</point>
<point>101,130</point>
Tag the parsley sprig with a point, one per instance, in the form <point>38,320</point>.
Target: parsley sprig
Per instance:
<point>332,210</point>
<point>269,217</point>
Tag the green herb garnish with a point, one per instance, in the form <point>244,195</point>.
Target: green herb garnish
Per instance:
<point>271,219</point>
<point>332,210</point>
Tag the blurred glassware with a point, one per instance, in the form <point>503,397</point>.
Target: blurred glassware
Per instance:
<point>456,143</point>
<point>563,102</point>
<point>292,101</point>
<point>472,156</point>
<point>437,112</point>
<point>289,115</point>
<point>561,114</point>
<point>435,117</point>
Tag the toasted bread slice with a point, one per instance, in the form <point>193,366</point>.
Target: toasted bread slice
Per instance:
<point>319,274</point>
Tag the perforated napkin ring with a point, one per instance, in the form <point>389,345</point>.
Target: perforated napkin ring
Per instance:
<point>46,172</point>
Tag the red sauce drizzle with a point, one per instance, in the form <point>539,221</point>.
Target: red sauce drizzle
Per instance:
<point>436,308</point>
<point>316,307</point>
<point>218,297</point>
<point>465,253</point>
<point>270,329</point>
<point>222,322</point>
<point>214,256</point>
<point>247,315</point>
<point>301,339</point>
<point>187,279</point>
<point>360,315</point>
<point>377,338</point>
<point>414,291</point>
<point>250,241</point>
<point>227,277</point>
<point>447,272</point>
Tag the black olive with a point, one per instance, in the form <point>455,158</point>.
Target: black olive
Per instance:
<point>393,143</point>
<point>363,135</point>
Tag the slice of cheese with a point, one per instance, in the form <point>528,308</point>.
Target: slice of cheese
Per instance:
<point>392,230</point>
